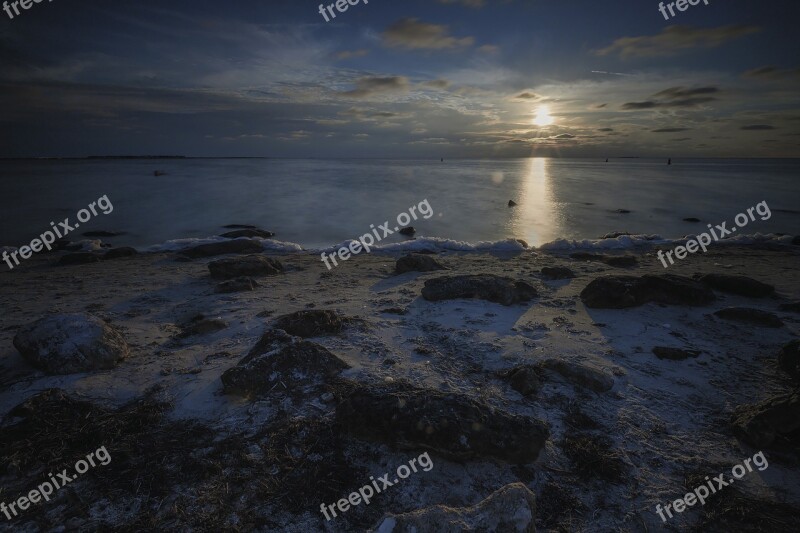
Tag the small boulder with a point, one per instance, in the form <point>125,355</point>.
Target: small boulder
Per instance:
<point>240,226</point>
<point>511,203</point>
<point>793,307</point>
<point>249,233</point>
<point>311,323</point>
<point>200,325</point>
<point>741,285</point>
<point>761,424</point>
<point>581,375</point>
<point>418,263</point>
<point>70,343</point>
<point>236,246</point>
<point>618,292</point>
<point>123,251</point>
<point>451,425</point>
<point>250,265</point>
<point>558,272</point>
<point>674,354</point>
<point>240,284</point>
<point>79,258</point>
<point>524,379</point>
<point>757,317</point>
<point>408,231</point>
<point>510,509</point>
<point>616,234</point>
<point>489,287</point>
<point>789,359</point>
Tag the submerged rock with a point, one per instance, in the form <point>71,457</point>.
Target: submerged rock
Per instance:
<point>200,325</point>
<point>510,509</point>
<point>489,287</point>
<point>248,232</point>
<point>418,263</point>
<point>70,343</point>
<point>749,315</point>
<point>789,359</point>
<point>311,323</point>
<point>237,246</point>
<point>617,292</point>
<point>741,285</point>
<point>761,424</point>
<point>250,265</point>
<point>674,354</point>
<point>691,219</point>
<point>582,375</point>
<point>558,272</point>
<point>240,284</point>
<point>408,231</point>
<point>451,425</point>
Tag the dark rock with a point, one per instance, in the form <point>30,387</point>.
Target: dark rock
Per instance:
<point>240,284</point>
<point>510,509</point>
<point>248,232</point>
<point>69,343</point>
<point>123,251</point>
<point>311,323</point>
<point>511,203</point>
<point>749,315</point>
<point>237,246</point>
<point>418,263</point>
<point>741,285</point>
<point>250,265</point>
<point>295,368</point>
<point>761,424</point>
<point>616,234</point>
<point>559,272</point>
<point>524,379</point>
<point>617,292</point>
<point>200,325</point>
<point>240,226</point>
<point>451,425</point>
<point>691,219</point>
<point>489,287</point>
<point>622,211</point>
<point>103,233</point>
<point>793,307</point>
<point>796,240</point>
<point>789,359</point>
<point>394,311</point>
<point>79,258</point>
<point>582,375</point>
<point>621,261</point>
<point>409,231</point>
<point>674,354</point>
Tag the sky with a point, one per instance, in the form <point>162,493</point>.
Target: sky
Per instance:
<point>400,79</point>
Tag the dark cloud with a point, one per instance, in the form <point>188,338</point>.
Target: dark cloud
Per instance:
<point>770,73</point>
<point>758,127</point>
<point>412,34</point>
<point>527,95</point>
<point>670,130</point>
<point>370,86</point>
<point>606,129</point>
<point>675,97</point>
<point>674,40</point>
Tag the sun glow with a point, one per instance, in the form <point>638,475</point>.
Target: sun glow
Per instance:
<point>543,117</point>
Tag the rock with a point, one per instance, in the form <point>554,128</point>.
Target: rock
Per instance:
<point>511,203</point>
<point>558,272</point>
<point>240,226</point>
<point>760,424</point>
<point>103,233</point>
<point>418,263</point>
<point>237,246</point>
<point>449,424</point>
<point>70,343</point>
<point>622,211</point>
<point>674,354</point>
<point>523,243</point>
<point>616,234</point>
<point>394,311</point>
<point>789,359</point>
<point>741,285</point>
<point>793,307</point>
<point>524,379</point>
<point>611,260</point>
<point>582,375</point>
<point>123,251</point>
<point>489,287</point>
<point>510,509</point>
<point>796,240</point>
<point>248,232</point>
<point>295,368</point>
<point>617,292</point>
<point>79,258</point>
<point>691,219</point>
<point>757,317</point>
<point>200,325</point>
<point>409,231</point>
<point>311,323</point>
<point>240,284</point>
<point>250,265</point>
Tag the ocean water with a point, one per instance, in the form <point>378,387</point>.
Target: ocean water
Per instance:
<point>319,203</point>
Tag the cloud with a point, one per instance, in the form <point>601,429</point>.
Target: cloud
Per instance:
<point>679,92</point>
<point>675,97</point>
<point>606,129</point>
<point>758,127</point>
<point>412,34</point>
<point>674,40</point>
<point>372,85</point>
<point>771,73</point>
<point>437,84</point>
<point>527,95</point>
<point>670,130</point>
<point>347,54</point>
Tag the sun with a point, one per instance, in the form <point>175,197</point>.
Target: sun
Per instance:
<point>543,117</point>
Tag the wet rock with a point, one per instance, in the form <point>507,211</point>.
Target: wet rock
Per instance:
<point>623,211</point>
<point>793,307</point>
<point>524,379</point>
<point>70,343</point>
<point>761,424</point>
<point>239,226</point>
<point>200,325</point>
<point>311,323</point>
<point>236,246</point>
<point>418,263</point>
<point>789,359</point>
<point>748,315</point>
<point>511,203</point>
<point>691,219</point>
<point>489,287</point>
<point>582,375</point>
<point>741,285</point>
<point>240,284</point>
<point>620,261</point>
<point>409,231</point>
<point>451,425</point>
<point>394,311</point>
<point>79,258</point>
<point>558,272</point>
<point>674,354</point>
<point>249,233</point>
<point>617,292</point>
<point>250,265</point>
<point>123,251</point>
<point>295,368</point>
<point>510,509</point>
